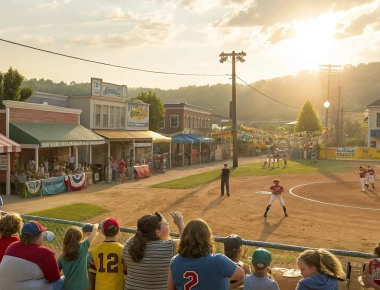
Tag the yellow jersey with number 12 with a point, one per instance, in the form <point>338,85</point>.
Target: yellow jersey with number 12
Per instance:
<point>107,265</point>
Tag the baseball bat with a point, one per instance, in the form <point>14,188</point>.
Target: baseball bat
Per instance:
<point>348,275</point>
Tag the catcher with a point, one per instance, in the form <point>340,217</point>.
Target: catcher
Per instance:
<point>276,189</point>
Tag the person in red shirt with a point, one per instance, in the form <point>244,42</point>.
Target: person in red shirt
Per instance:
<point>122,166</point>
<point>362,175</point>
<point>276,189</point>
<point>10,225</point>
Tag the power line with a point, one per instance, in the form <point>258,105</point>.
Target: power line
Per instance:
<point>266,95</point>
<point>108,64</point>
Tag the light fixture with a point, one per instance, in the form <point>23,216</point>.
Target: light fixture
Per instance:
<point>223,59</point>
<point>239,58</point>
<point>326,104</point>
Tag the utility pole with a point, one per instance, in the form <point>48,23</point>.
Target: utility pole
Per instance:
<point>327,67</point>
<point>235,56</point>
<point>337,130</point>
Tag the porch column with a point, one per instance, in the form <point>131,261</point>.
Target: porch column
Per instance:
<point>200,151</point>
<point>151,158</point>
<point>183,155</point>
<point>170,154</point>
<point>76,156</point>
<point>109,149</point>
<point>90,157</point>
<point>36,158</point>
<point>191,153</point>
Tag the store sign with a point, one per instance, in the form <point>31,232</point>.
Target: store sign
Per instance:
<point>96,86</point>
<point>137,116</point>
<point>3,162</point>
<point>110,90</point>
<point>69,143</point>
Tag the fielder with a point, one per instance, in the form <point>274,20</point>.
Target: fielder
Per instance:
<point>276,189</point>
<point>362,175</point>
<point>370,177</point>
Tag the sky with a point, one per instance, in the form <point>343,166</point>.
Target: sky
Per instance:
<point>279,37</point>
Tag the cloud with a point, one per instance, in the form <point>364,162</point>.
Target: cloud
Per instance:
<point>200,6</point>
<point>66,1</point>
<point>39,41</point>
<point>267,13</point>
<point>367,21</point>
<point>50,5</point>
<point>276,35</point>
<point>118,14</point>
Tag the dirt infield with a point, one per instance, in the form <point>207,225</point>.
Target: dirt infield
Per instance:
<point>333,212</point>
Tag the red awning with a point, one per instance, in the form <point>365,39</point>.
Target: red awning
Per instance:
<point>8,145</point>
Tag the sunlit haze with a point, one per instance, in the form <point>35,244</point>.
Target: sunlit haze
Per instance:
<point>185,36</point>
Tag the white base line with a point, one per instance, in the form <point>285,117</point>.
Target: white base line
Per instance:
<point>328,203</point>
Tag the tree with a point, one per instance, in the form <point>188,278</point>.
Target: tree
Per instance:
<point>10,87</point>
<point>156,109</point>
<point>308,119</point>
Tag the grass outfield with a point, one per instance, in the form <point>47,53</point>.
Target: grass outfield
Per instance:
<point>254,169</point>
<point>77,212</point>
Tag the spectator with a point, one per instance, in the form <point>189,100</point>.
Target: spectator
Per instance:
<point>106,269</point>
<point>259,280</point>
<point>31,164</point>
<point>122,166</point>
<point>320,269</point>
<point>29,265</point>
<point>10,225</point>
<point>115,167</point>
<point>73,260</point>
<point>148,253</point>
<point>22,177</point>
<point>371,273</point>
<point>233,250</point>
<point>196,263</point>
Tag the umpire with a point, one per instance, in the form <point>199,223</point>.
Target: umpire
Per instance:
<point>225,179</point>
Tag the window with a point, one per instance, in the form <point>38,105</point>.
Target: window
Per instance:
<point>97,115</point>
<point>174,121</point>
<point>202,123</point>
<point>112,116</point>
<point>122,114</point>
<point>196,123</point>
<point>117,117</point>
<point>193,122</point>
<point>187,121</point>
<point>162,125</point>
<point>378,120</point>
<point>105,116</point>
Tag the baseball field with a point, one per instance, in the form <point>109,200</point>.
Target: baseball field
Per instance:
<point>325,204</point>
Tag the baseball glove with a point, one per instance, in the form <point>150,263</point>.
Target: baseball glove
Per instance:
<point>278,191</point>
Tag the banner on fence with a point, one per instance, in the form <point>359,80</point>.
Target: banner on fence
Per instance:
<point>53,185</point>
<point>76,182</point>
<point>33,188</point>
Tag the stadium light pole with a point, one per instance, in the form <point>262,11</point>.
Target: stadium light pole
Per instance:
<point>235,56</point>
<point>326,105</point>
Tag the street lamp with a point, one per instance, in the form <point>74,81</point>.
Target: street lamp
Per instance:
<point>235,56</point>
<point>326,105</point>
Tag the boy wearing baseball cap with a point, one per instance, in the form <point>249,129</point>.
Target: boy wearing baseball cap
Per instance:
<point>259,280</point>
<point>233,250</point>
<point>29,265</point>
<point>106,268</point>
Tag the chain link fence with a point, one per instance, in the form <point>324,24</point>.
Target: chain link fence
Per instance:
<point>283,255</point>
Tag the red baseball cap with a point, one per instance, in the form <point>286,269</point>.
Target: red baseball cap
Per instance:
<point>108,223</point>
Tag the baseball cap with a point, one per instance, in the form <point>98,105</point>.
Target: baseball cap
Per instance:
<point>108,223</point>
<point>33,228</point>
<point>87,228</point>
<point>261,258</point>
<point>232,242</point>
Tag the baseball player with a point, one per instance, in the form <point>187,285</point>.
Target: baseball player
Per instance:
<point>266,162</point>
<point>276,189</point>
<point>370,177</point>
<point>362,174</point>
<point>225,180</point>
<point>366,176</point>
<point>285,161</point>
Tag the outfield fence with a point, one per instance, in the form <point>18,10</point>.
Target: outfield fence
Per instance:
<point>59,227</point>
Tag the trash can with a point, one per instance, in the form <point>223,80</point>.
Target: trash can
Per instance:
<point>100,171</point>
<point>95,174</point>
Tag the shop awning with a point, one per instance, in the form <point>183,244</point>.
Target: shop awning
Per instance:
<point>129,135</point>
<point>53,135</point>
<point>8,145</point>
<point>189,138</point>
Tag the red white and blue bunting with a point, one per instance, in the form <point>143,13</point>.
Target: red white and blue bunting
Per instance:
<point>76,182</point>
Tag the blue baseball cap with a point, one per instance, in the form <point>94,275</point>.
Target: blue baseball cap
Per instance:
<point>33,228</point>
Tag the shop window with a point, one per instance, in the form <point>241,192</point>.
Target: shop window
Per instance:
<point>162,125</point>
<point>97,115</point>
<point>112,116</point>
<point>174,121</point>
<point>122,114</point>
<point>105,116</point>
<point>117,117</point>
<point>378,120</point>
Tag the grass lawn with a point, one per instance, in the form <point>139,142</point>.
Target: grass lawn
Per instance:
<point>77,212</point>
<point>254,169</point>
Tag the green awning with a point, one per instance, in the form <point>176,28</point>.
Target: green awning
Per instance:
<point>53,135</point>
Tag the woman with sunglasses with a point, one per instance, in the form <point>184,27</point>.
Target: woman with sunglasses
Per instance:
<point>148,253</point>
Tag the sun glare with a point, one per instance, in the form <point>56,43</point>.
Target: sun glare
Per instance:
<point>312,43</point>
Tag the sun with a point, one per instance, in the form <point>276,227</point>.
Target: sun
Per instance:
<point>313,42</point>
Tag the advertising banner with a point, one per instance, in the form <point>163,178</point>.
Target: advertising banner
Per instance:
<point>33,188</point>
<point>53,185</point>
<point>345,153</point>
<point>137,116</point>
<point>110,90</point>
<point>102,89</point>
<point>96,86</point>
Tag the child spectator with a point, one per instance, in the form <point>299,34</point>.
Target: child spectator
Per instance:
<point>196,263</point>
<point>233,250</point>
<point>10,225</point>
<point>148,253</point>
<point>259,280</point>
<point>87,230</point>
<point>73,260</point>
<point>106,269</point>
<point>320,269</point>
<point>29,265</point>
<point>371,273</point>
